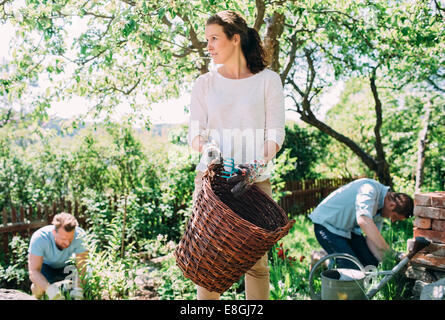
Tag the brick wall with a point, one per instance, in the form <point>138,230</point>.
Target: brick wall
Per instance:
<point>429,222</point>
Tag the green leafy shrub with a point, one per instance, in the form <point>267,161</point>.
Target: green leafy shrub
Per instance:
<point>109,276</point>
<point>15,274</point>
<point>283,165</point>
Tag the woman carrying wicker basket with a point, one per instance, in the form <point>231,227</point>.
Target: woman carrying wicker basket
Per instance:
<point>238,109</point>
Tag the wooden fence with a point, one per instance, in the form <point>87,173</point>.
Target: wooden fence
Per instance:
<point>305,195</point>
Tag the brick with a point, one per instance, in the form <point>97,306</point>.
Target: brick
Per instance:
<point>438,225</point>
<point>438,200</point>
<point>437,249</point>
<point>422,223</point>
<point>430,199</point>
<point>429,260</point>
<point>434,248</point>
<point>438,236</point>
<point>429,212</point>
<point>423,199</point>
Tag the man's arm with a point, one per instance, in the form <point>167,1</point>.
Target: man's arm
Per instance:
<point>34,268</point>
<point>374,239</point>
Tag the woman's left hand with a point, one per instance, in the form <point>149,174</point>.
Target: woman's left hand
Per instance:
<point>246,176</point>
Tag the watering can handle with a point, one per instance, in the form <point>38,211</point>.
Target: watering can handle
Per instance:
<point>315,296</point>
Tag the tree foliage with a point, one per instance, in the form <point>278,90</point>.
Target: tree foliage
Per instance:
<point>308,146</point>
<point>404,120</point>
<point>139,52</point>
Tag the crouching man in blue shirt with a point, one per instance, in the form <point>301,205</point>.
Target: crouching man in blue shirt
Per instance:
<point>49,252</point>
<point>358,206</point>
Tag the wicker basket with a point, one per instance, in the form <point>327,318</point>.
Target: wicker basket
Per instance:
<point>225,236</point>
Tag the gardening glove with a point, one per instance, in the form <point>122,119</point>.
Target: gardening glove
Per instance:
<point>76,294</point>
<point>398,256</point>
<point>54,293</point>
<point>65,285</point>
<point>246,176</point>
<point>210,152</point>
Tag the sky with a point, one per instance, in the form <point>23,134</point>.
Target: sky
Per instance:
<point>171,111</point>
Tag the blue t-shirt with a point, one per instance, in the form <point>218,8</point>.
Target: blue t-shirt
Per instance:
<point>338,212</point>
<point>43,244</point>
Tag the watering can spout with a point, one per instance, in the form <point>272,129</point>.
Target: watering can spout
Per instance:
<point>419,244</point>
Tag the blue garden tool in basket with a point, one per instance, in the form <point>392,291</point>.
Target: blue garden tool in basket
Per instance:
<point>229,168</point>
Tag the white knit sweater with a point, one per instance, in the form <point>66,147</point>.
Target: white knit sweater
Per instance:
<point>238,114</point>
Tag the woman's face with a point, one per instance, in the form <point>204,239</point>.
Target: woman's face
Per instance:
<point>220,48</point>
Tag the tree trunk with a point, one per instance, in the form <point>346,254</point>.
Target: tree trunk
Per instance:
<point>261,9</point>
<point>382,171</point>
<point>421,148</point>
<point>274,29</point>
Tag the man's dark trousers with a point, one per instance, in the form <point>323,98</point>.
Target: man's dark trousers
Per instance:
<point>356,247</point>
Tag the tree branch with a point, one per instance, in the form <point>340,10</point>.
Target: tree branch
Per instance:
<point>439,8</point>
<point>131,3</point>
<point>5,119</point>
<point>338,12</point>
<point>382,165</point>
<point>306,115</point>
<point>79,61</point>
<point>166,21</point>
<point>98,15</point>
<point>203,68</point>
<point>333,57</point>
<point>297,104</point>
<point>2,4</point>
<point>435,85</point>
<point>261,9</point>
<point>311,71</point>
<point>292,56</point>
<point>296,87</point>
<point>129,91</point>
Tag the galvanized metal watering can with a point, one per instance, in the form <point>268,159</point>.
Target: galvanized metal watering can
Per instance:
<point>341,283</point>
<point>352,284</point>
